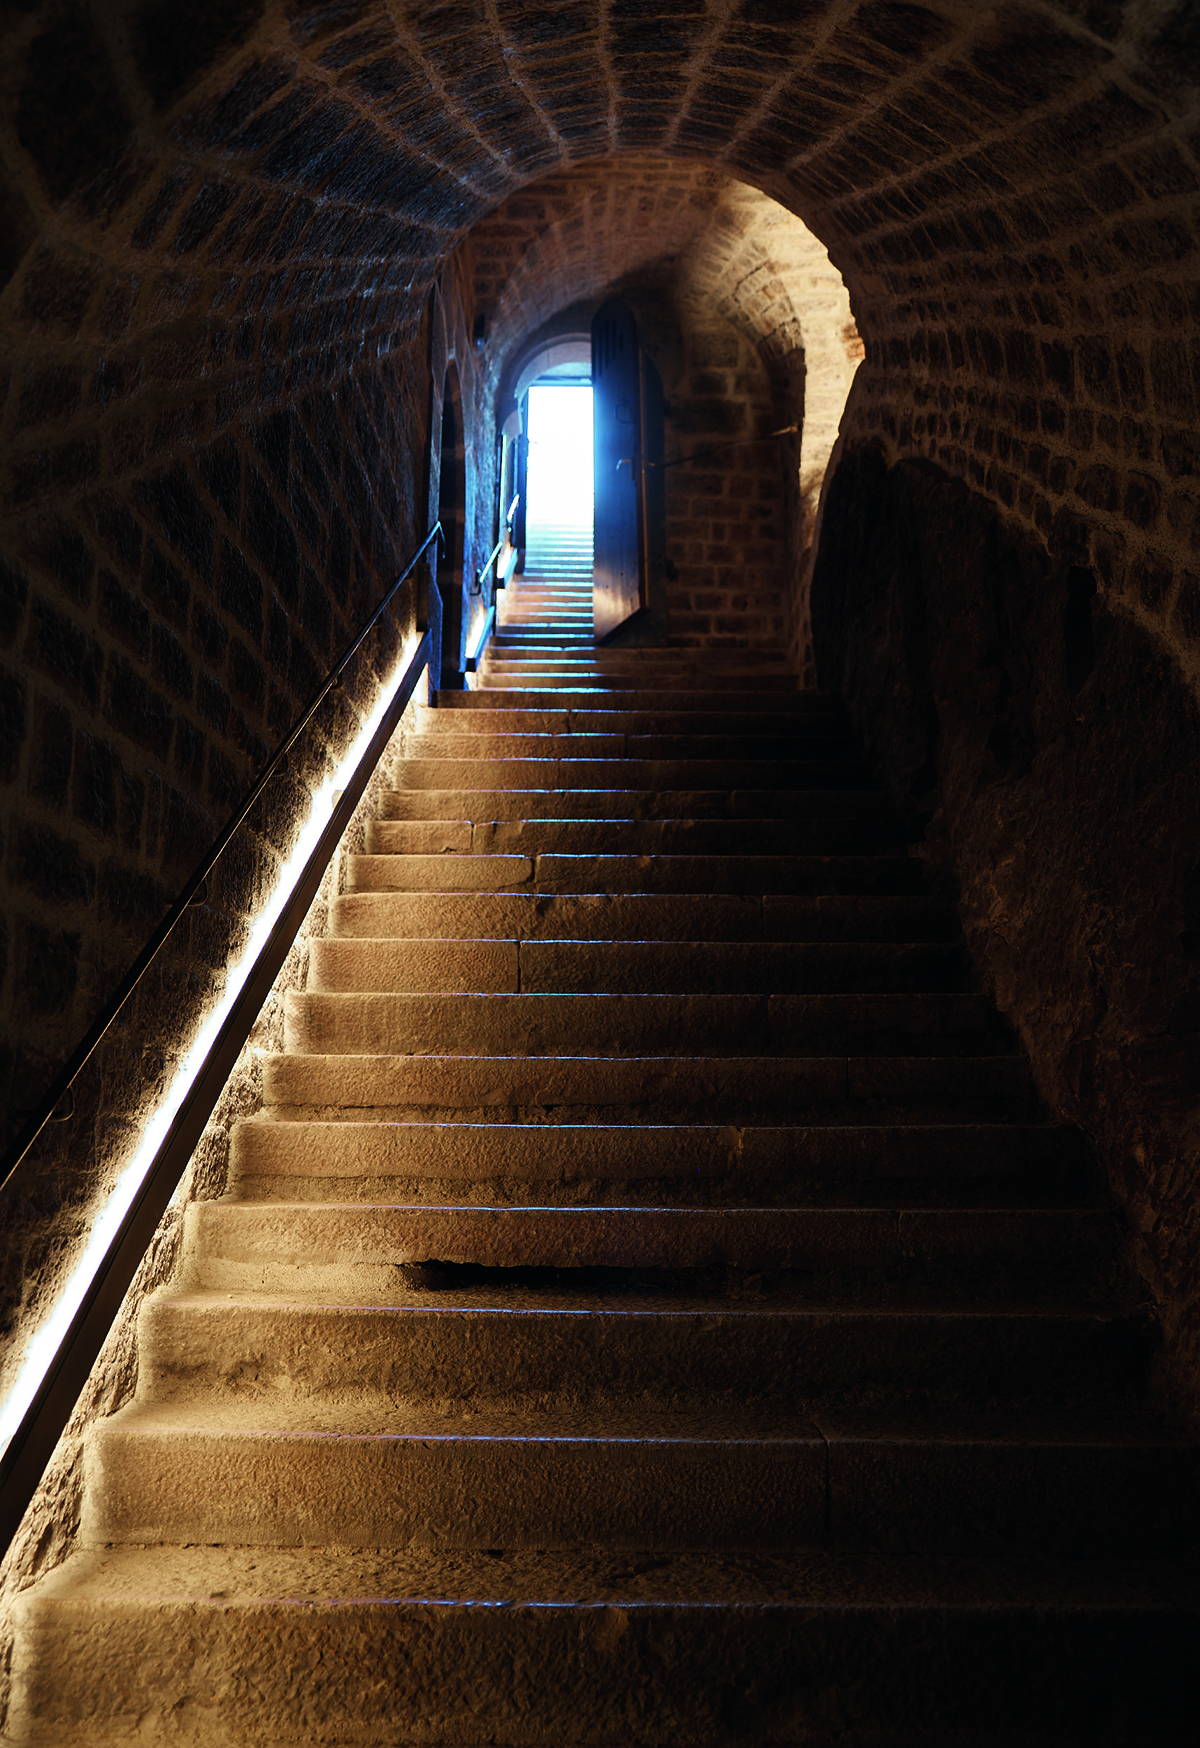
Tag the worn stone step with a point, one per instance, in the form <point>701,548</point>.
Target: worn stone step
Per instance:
<point>564,773</point>
<point>633,685</point>
<point>559,873</point>
<point>840,828</point>
<point>638,967</point>
<point>236,1247</point>
<point>555,916</point>
<point>637,1025</point>
<point>713,1082</point>
<point>654,916</point>
<point>424,1480</point>
<point>806,743</point>
<point>645,660</point>
<point>595,693</point>
<point>279,1353</point>
<point>818,1157</point>
<point>702,1651</point>
<point>319,1474</point>
<point>639,807</point>
<point>614,720</point>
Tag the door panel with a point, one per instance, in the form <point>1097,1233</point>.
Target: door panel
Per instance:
<point>653,507</point>
<point>617,590</point>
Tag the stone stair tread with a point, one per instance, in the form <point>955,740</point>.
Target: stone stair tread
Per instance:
<point>223,1577</point>
<point>356,1247</point>
<point>741,806</point>
<point>548,964</point>
<point>393,1079</point>
<point>570,874</point>
<point>392,1421</point>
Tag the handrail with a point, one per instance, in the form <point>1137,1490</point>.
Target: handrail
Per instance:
<point>485,631</point>
<point>192,893</point>
<point>500,544</point>
<point>24,1460</point>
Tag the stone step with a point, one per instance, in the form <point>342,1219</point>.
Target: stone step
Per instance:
<point>639,683</point>
<point>841,826</point>
<point>737,698</point>
<point>817,1160</point>
<point>237,1247</point>
<point>445,743</point>
<point>484,723</point>
<point>642,807</point>
<point>630,773</point>
<point>558,873</point>
<point>567,1479</point>
<point>634,967</point>
<point>715,1082</point>
<point>279,1353</point>
<point>700,1649</point>
<point>637,1025</point>
<point>635,917</point>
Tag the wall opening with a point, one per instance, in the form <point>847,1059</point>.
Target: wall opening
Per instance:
<point>560,455</point>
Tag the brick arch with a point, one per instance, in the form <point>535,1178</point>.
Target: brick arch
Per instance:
<point>569,238</point>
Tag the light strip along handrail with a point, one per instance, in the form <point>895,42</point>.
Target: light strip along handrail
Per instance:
<point>92,1040</point>
<point>32,1444</point>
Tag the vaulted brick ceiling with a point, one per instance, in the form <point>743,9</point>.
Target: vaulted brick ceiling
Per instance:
<point>268,189</point>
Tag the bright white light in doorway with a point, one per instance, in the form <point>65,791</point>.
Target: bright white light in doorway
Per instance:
<point>49,1338</point>
<point>560,456</point>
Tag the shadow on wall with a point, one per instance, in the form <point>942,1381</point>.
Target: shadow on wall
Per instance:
<point>1049,758</point>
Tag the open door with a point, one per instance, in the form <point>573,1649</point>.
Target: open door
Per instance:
<point>625,389</point>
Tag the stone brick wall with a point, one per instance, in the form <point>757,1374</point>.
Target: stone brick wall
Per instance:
<point>220,227</point>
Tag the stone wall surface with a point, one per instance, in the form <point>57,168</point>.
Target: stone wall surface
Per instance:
<point>1047,757</point>
<point>219,232</point>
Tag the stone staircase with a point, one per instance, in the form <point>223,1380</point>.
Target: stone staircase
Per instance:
<point>650,1307</point>
<point>549,605</point>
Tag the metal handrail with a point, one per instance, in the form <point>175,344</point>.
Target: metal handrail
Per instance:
<point>194,891</point>
<point>500,544</point>
<point>29,1450</point>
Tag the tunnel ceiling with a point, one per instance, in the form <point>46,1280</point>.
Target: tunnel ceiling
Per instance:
<point>569,238</point>
<point>713,243</point>
<point>223,207</point>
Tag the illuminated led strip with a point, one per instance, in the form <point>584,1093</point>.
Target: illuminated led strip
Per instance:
<point>332,806</point>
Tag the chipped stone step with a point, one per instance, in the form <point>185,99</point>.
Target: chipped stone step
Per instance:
<point>637,967</point>
<point>263,1147</point>
<point>566,773</point>
<point>635,807</point>
<point>562,1481</point>
<point>559,873</point>
<point>636,1025</point>
<point>704,1651</point>
<point>233,1246</point>
<point>519,1082</point>
<point>277,1353</point>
